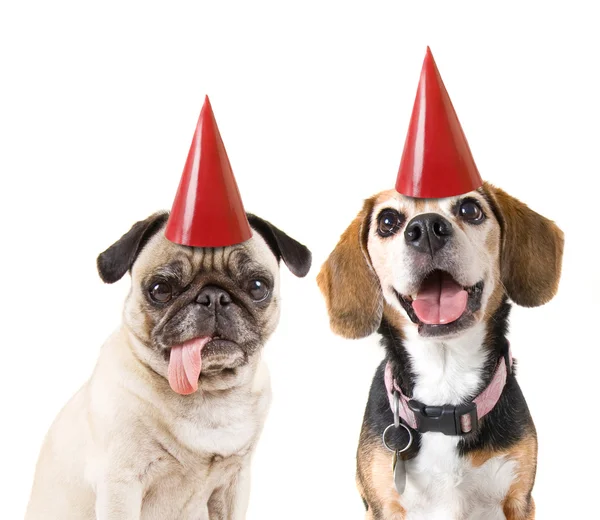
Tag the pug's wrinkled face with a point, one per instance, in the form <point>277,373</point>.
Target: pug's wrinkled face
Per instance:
<point>201,311</point>
<point>229,295</point>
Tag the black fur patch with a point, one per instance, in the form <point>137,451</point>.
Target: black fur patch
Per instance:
<point>117,259</point>
<point>378,415</point>
<point>295,255</point>
<point>365,504</point>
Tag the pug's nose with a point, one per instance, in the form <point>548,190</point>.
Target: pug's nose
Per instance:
<point>213,297</point>
<point>428,233</point>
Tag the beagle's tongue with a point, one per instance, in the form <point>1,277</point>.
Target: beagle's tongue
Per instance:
<point>185,364</point>
<point>440,299</point>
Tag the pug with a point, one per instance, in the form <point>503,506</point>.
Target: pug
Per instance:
<point>166,426</point>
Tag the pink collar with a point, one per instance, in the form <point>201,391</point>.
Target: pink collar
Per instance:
<point>451,420</point>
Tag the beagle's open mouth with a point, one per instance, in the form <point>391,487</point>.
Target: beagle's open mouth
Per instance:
<point>441,305</point>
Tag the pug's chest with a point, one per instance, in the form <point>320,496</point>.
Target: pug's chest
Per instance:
<point>444,485</point>
<point>196,459</point>
<point>222,436</point>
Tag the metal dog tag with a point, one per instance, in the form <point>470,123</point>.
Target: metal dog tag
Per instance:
<point>399,471</point>
<point>398,465</point>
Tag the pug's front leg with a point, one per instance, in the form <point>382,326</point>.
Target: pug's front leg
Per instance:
<point>118,499</point>
<point>230,501</point>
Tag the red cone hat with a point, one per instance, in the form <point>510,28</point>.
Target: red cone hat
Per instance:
<point>436,161</point>
<point>208,209</point>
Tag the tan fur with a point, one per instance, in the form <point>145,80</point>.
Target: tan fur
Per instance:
<point>347,281</point>
<point>394,318</point>
<point>374,480</point>
<point>420,205</point>
<point>518,504</point>
<point>494,302</point>
<point>492,245</point>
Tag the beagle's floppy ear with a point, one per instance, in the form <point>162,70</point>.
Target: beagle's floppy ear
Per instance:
<point>349,284</point>
<point>531,250</point>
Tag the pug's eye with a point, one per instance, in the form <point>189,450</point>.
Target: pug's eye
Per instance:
<point>258,290</point>
<point>161,292</point>
<point>389,222</point>
<point>471,211</point>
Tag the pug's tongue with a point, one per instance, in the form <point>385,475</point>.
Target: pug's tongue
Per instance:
<point>185,364</point>
<point>440,299</point>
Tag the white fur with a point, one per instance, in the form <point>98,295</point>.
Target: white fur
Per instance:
<point>394,261</point>
<point>441,485</point>
<point>447,372</point>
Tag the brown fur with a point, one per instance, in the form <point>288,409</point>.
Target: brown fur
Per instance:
<point>532,249</point>
<point>349,284</point>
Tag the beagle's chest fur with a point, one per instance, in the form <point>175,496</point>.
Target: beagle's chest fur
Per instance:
<point>442,483</point>
<point>485,474</point>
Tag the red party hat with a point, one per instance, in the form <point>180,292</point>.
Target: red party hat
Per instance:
<point>208,209</point>
<point>437,160</point>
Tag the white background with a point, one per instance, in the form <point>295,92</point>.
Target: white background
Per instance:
<point>97,108</point>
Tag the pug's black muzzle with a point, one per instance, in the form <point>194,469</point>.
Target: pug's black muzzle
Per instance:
<point>213,311</point>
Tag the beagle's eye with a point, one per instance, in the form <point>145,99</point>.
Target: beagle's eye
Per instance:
<point>258,290</point>
<point>389,222</point>
<point>161,292</point>
<point>471,211</point>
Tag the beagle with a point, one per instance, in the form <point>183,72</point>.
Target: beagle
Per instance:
<point>446,432</point>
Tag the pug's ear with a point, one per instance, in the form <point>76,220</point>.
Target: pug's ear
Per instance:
<point>296,256</point>
<point>117,259</point>
<point>531,250</point>
<point>349,283</point>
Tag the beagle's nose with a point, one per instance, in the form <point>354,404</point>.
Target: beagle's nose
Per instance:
<point>213,297</point>
<point>428,232</point>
